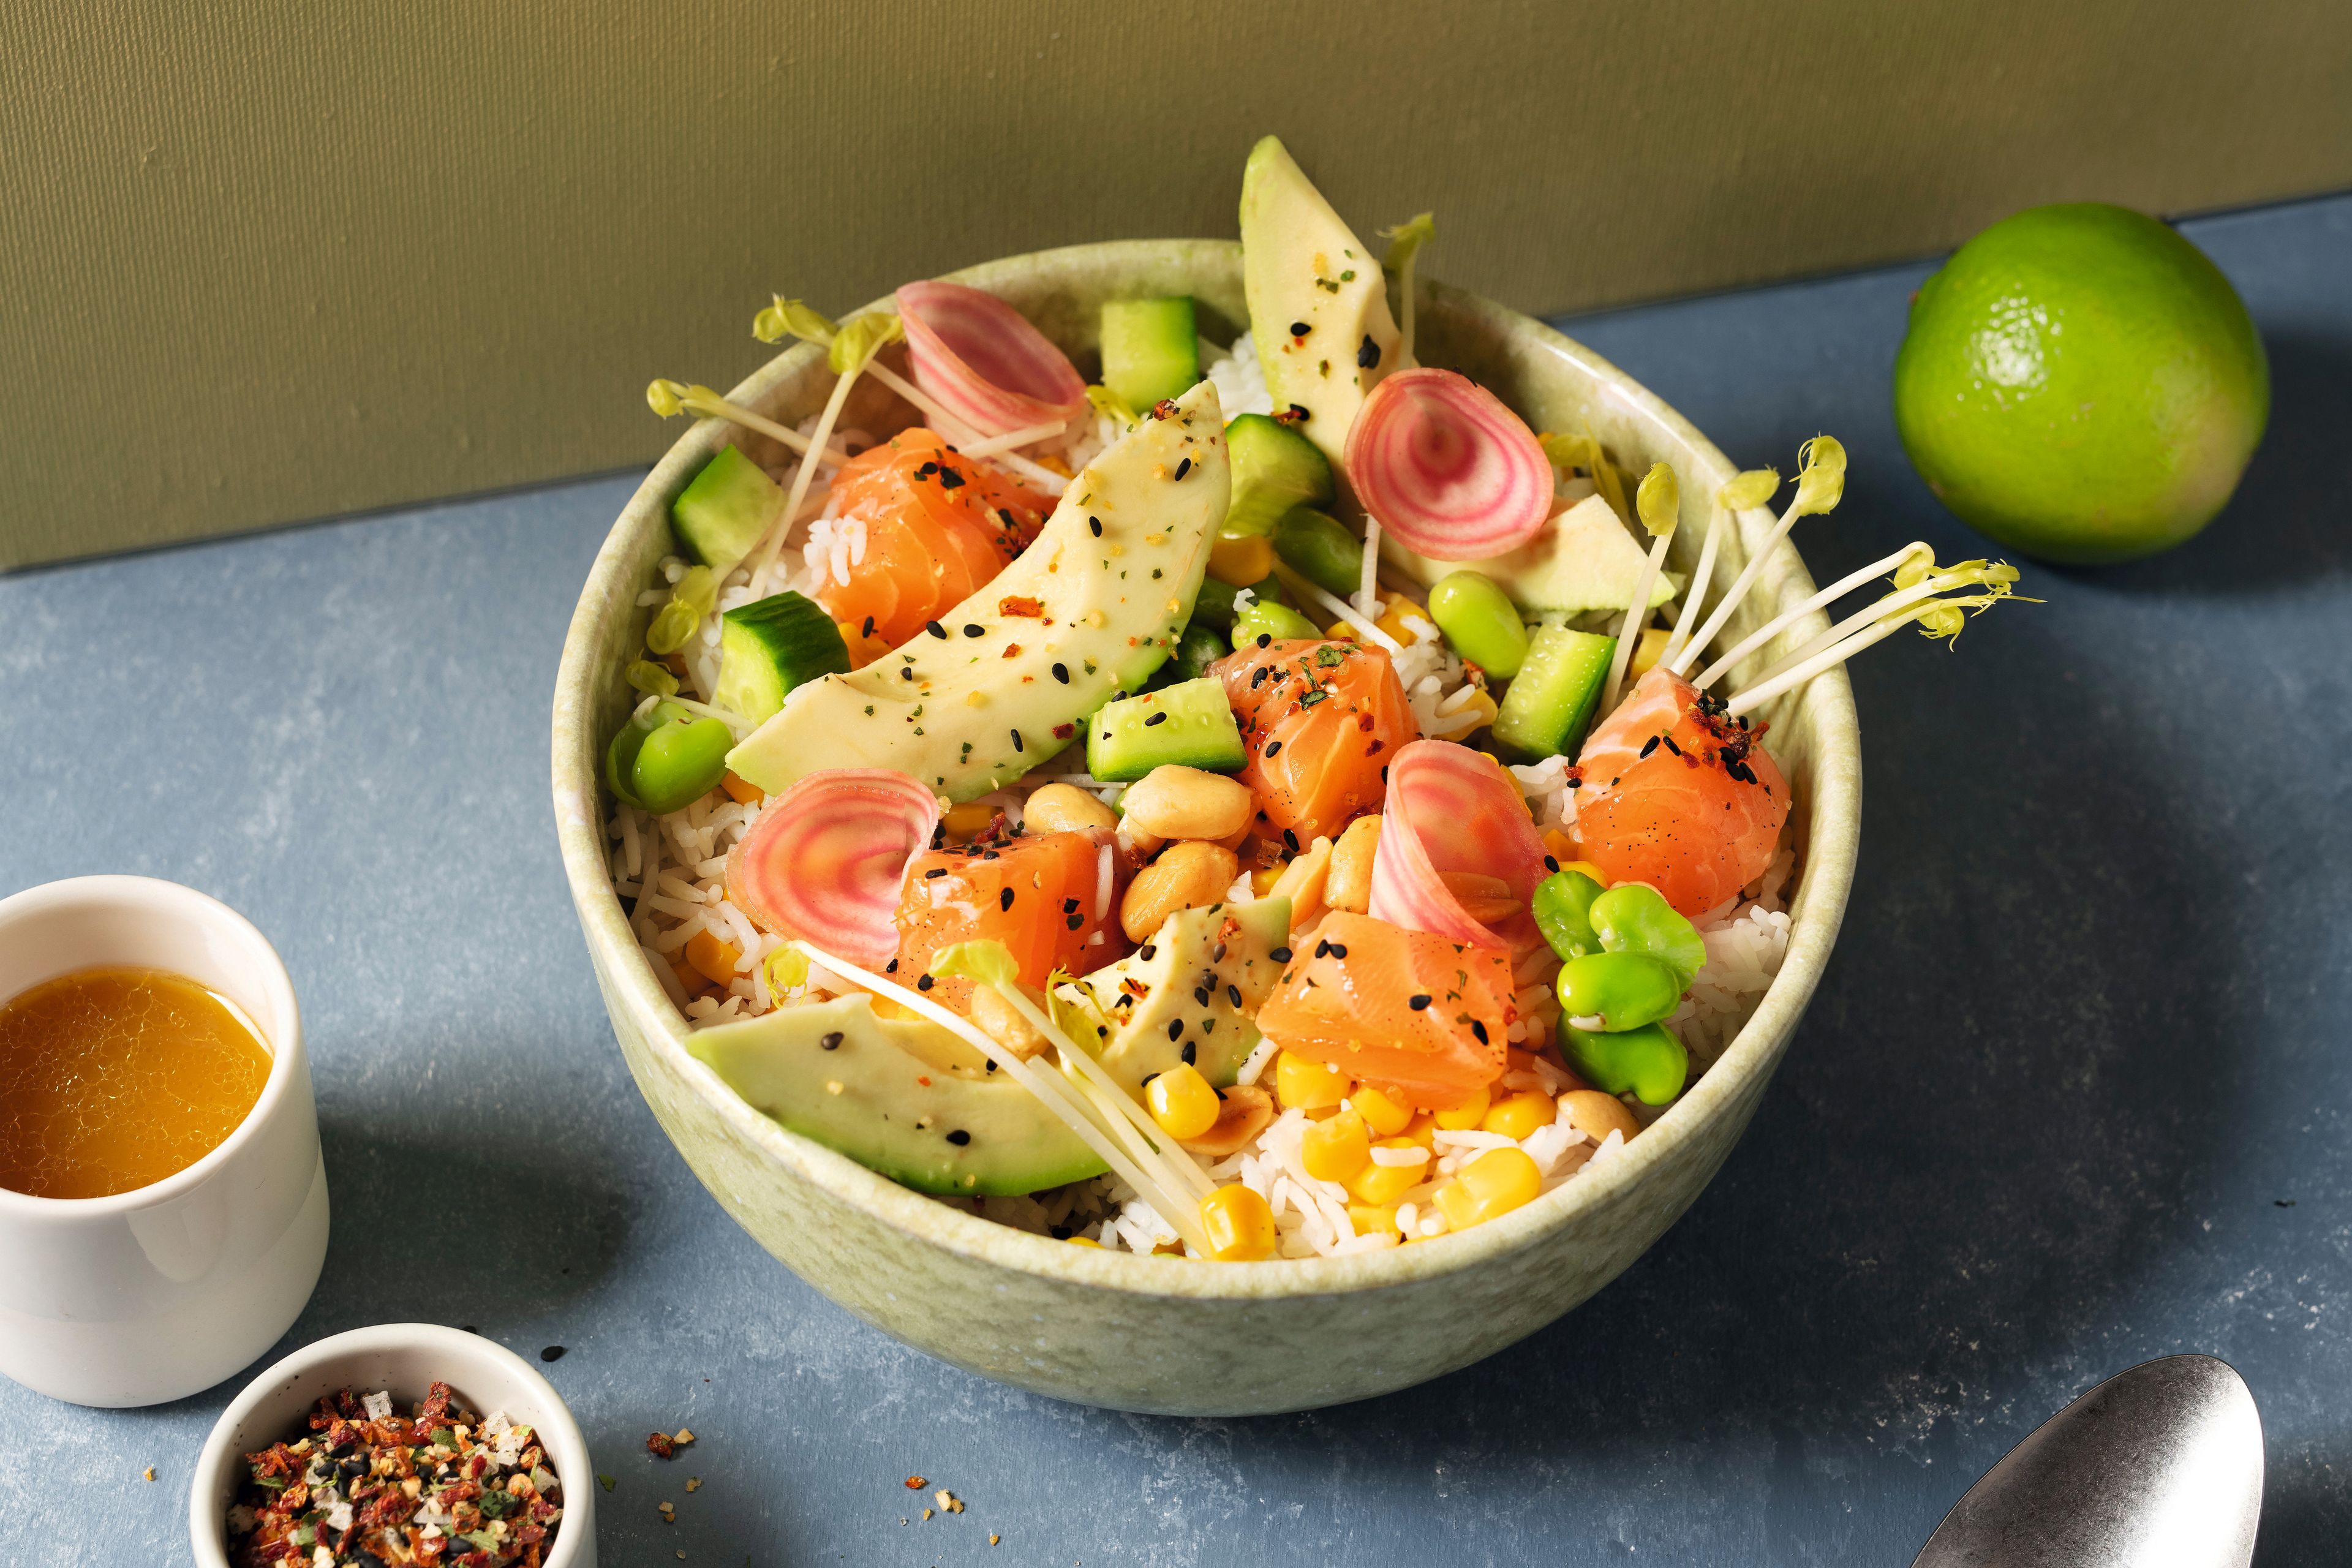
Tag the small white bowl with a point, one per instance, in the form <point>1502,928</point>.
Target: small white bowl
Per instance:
<point>404,1358</point>
<point>150,1295</point>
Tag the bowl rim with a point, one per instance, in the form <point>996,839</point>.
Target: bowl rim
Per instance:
<point>1817,909</point>
<point>454,1347</point>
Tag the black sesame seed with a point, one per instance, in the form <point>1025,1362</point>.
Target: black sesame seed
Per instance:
<point>1669,739</point>
<point>1234,995</point>
<point>1199,996</point>
<point>1338,949</point>
<point>958,1137</point>
<point>1280,955</point>
<point>936,630</point>
<point>988,855</point>
<point>971,630</point>
<point>1146,951</point>
<point>1075,922</point>
<point>936,872</point>
<point>1418,1001</point>
<point>869,626</point>
<point>1367,353</point>
<point>1217,955</point>
<point>891,967</point>
<point>1298,329</point>
<point>924,984</point>
<point>552,1352</point>
<point>1290,838</point>
<point>950,480</point>
<point>1264,640</point>
<point>1183,468</point>
<point>831,1042</point>
<point>1258,677</point>
<point>1175,1028</point>
<point>1650,745</point>
<point>1004,899</point>
<point>1273,747</point>
<point>1095,523</point>
<point>1478,1029</point>
<point>1155,718</point>
<point>1191,1053</point>
<point>906,672</point>
<point>1016,742</point>
<point>1551,863</point>
<point>1069,904</point>
<point>1062,673</point>
<point>1321,948</point>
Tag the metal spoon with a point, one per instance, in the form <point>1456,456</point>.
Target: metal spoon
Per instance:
<point>2159,1463</point>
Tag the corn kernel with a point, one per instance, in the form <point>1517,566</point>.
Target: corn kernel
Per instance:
<point>713,959</point>
<point>1240,1224</point>
<point>1649,650</point>
<point>1422,1130</point>
<point>1382,1110</point>
<point>1495,1183</point>
<point>1373,1219</point>
<point>1380,1185</point>
<point>1588,868</point>
<point>1340,631</point>
<point>969,820</point>
<point>1479,703</point>
<point>1335,1150</point>
<point>1467,1116</point>
<point>742,791</point>
<point>1181,1101</point>
<point>1263,880</point>
<point>1241,559</point>
<point>1305,1085</point>
<point>1558,845</point>
<point>1516,1115</point>
<point>1085,1241</point>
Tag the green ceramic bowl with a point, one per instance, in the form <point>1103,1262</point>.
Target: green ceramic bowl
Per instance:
<point>1156,1334</point>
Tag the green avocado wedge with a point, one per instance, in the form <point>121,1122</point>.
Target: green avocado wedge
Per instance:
<point>1147,1011</point>
<point>900,1098</point>
<point>1585,559</point>
<point>1003,681</point>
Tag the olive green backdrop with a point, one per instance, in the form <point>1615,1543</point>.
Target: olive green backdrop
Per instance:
<point>266,262</point>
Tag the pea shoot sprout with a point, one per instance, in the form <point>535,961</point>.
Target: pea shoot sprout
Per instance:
<point>1820,483</point>
<point>669,398</point>
<point>1405,241</point>
<point>1658,503</point>
<point>1581,453</point>
<point>848,349</point>
<point>1742,492</point>
<point>1924,593</point>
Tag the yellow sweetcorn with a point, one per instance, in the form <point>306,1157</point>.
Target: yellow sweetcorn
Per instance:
<point>1305,1085</point>
<point>1263,880</point>
<point>1335,1150</point>
<point>1240,1226</point>
<point>1241,559</point>
<point>1339,631</point>
<point>1495,1183</point>
<point>1085,1241</point>
<point>1181,1101</point>
<point>1467,1116</point>
<point>1587,868</point>
<point>713,959</point>
<point>1373,1219</point>
<point>1560,847</point>
<point>1647,653</point>
<point>969,820</point>
<point>1516,1115</point>
<point>1381,1185</point>
<point>1481,704</point>
<point>1422,1130</point>
<point>1384,1112</point>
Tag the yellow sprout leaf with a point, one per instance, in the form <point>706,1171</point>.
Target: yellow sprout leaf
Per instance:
<point>986,961</point>
<point>793,317</point>
<point>787,969</point>
<point>861,340</point>
<point>652,679</point>
<point>667,397</point>
<point>1106,401</point>
<point>1752,488</point>
<point>1659,500</point>
<point>1820,476</point>
<point>1408,237</point>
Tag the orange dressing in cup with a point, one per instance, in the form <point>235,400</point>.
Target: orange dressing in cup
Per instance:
<point>113,1079</point>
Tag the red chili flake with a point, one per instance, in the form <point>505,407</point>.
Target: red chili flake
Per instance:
<point>1063,732</point>
<point>660,1447</point>
<point>916,1483</point>
<point>1164,409</point>
<point>1013,650</point>
<point>1021,605</point>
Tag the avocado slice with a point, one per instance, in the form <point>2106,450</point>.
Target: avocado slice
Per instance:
<point>893,1095</point>
<point>1004,681</point>
<point>1585,559</point>
<point>1303,268</point>
<point>1171,993</point>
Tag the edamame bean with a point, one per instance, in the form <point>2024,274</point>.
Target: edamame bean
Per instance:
<point>1213,605</point>
<point>620,756</point>
<point>1650,1061</point>
<point>1634,917</point>
<point>1562,905</point>
<point>1279,622</point>
<point>1623,990</point>
<point>1479,619</point>
<point>1199,647</point>
<point>1320,549</point>
<point>679,762</point>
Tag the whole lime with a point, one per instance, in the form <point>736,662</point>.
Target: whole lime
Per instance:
<point>2081,384</point>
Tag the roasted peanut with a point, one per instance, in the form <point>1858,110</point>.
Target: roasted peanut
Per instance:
<point>1349,885</point>
<point>1186,876</point>
<point>1002,1022</point>
<point>1175,802</point>
<point>1596,1114</point>
<point>1066,808</point>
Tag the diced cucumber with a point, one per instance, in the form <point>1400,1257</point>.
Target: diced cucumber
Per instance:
<point>1191,723</point>
<point>1275,469</point>
<point>767,647</point>
<point>1319,547</point>
<point>1550,701</point>
<point>724,509</point>
<point>1149,350</point>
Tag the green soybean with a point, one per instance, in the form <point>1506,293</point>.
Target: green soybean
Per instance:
<point>1199,647</point>
<point>1636,918</point>
<point>621,755</point>
<point>1623,990</point>
<point>1563,903</point>
<point>1479,619</point>
<point>679,762</point>
<point>1648,1061</point>
<point>1319,548</point>
<point>1279,622</point>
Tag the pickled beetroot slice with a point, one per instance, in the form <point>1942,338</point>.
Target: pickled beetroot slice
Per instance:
<point>1451,808</point>
<point>983,362</point>
<point>1449,471</point>
<point>826,860</point>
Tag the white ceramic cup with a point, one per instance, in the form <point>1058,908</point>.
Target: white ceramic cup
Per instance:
<point>150,1295</point>
<point>403,1359</point>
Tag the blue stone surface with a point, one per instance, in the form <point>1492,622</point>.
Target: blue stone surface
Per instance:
<point>2074,1093</point>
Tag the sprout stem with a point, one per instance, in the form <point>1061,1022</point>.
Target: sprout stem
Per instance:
<point>1686,618</point>
<point>960,435</point>
<point>1368,593</point>
<point>773,540</point>
<point>1763,692</point>
<point>1738,589</point>
<point>989,446</point>
<point>710,405</point>
<point>1893,605</point>
<point>1772,628</point>
<point>1055,1097</point>
<point>1150,1135</point>
<point>1337,606</point>
<point>1637,614</point>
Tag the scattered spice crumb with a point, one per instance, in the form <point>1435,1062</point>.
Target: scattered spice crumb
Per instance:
<point>995,1540</point>
<point>660,1444</point>
<point>668,1513</point>
<point>683,1438</point>
<point>916,1483</point>
<point>150,1473</point>
<point>949,1502</point>
<point>694,1483</point>
<point>607,1482</point>
<point>927,1514</point>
